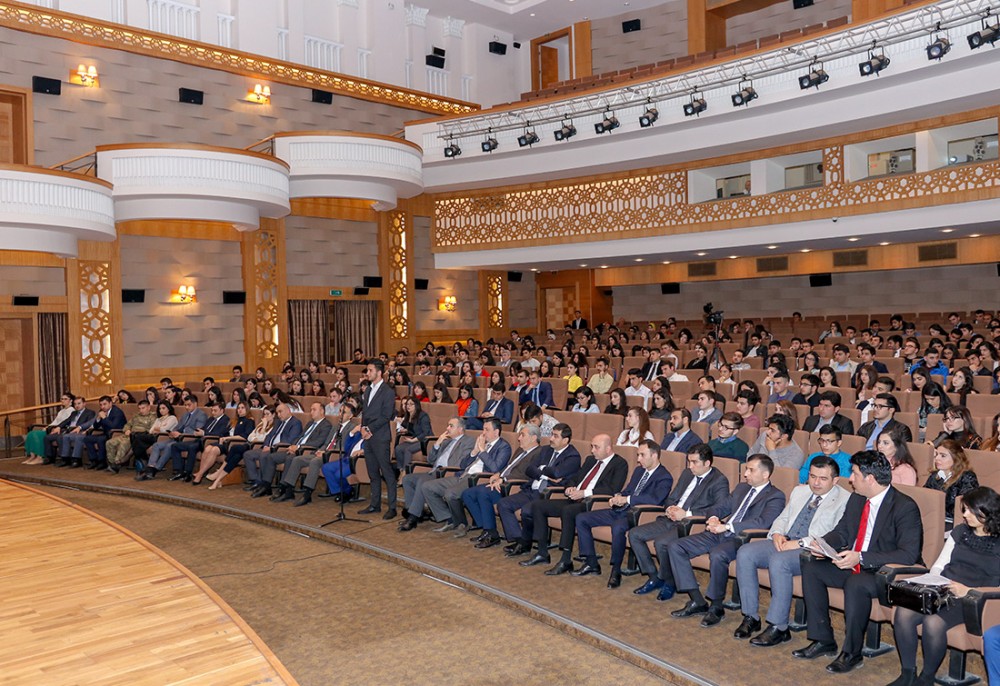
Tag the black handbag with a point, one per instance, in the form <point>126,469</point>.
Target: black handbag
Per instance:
<point>927,600</point>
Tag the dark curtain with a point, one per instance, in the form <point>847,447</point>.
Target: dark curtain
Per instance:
<point>53,372</point>
<point>309,331</point>
<point>355,325</point>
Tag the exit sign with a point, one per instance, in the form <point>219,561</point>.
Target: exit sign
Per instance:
<point>336,291</point>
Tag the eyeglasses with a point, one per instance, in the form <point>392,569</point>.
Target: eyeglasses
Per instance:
<point>827,441</point>
<point>880,407</point>
<point>726,426</point>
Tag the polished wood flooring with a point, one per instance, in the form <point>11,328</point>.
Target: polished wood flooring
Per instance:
<point>86,602</point>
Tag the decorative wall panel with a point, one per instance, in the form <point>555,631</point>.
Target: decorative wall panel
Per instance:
<point>95,324</point>
<point>266,274</point>
<point>397,239</point>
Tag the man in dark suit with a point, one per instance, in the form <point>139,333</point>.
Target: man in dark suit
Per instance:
<point>66,440</point>
<point>217,426</point>
<point>160,452</point>
<point>578,322</point>
<point>286,429</point>
<point>109,418</point>
<point>880,526</point>
<point>556,462</point>
<point>537,391</point>
<point>701,491</point>
<point>378,409</point>
<point>451,449</point>
<point>497,406</point>
<point>315,436</point>
<point>651,369</point>
<point>884,408</point>
<point>866,353</point>
<point>650,485</point>
<point>679,437</point>
<point>755,504</point>
<point>603,473</point>
<point>828,412</point>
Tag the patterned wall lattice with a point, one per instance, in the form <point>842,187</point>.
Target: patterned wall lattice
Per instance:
<point>399,290</point>
<point>265,272</point>
<point>494,295</point>
<point>95,324</point>
<point>624,207</point>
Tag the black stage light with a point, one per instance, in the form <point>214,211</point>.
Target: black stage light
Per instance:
<point>608,124</point>
<point>696,106</point>
<point>452,150</point>
<point>528,138</point>
<point>565,132</point>
<point>987,34</point>
<point>873,65</point>
<point>744,96</point>
<point>649,118</point>
<point>490,144</point>
<point>816,76</point>
<point>939,48</point>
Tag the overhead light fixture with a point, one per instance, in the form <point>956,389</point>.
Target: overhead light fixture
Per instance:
<point>85,76</point>
<point>745,94</point>
<point>701,254</point>
<point>947,230</point>
<point>608,124</point>
<point>260,95</point>
<point>527,139</point>
<point>649,117</point>
<point>884,243</point>
<point>490,144</point>
<point>804,250</point>
<point>987,34</point>
<point>854,239</point>
<point>816,76</point>
<point>696,106</point>
<point>565,132</point>
<point>940,47</point>
<point>874,64</point>
<point>452,149</point>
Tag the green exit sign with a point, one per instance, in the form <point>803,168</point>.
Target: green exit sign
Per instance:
<point>336,291</point>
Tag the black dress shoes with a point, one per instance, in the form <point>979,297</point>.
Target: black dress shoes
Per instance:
<point>615,580</point>
<point>538,559</point>
<point>814,650</point>
<point>845,663</point>
<point>713,616</point>
<point>488,541</point>
<point>747,628</point>
<point>61,462</point>
<point>113,468</point>
<point>587,569</point>
<point>252,486</point>
<point>305,499</point>
<point>76,464</point>
<point>176,476</point>
<point>514,549</point>
<point>262,491</point>
<point>370,510</point>
<point>771,636</point>
<point>690,609</point>
<point>560,568</point>
<point>651,585</point>
<point>408,524</point>
<point>285,495</point>
<point>481,536</point>
<point>390,514</point>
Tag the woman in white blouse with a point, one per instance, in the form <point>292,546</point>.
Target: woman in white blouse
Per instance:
<point>636,427</point>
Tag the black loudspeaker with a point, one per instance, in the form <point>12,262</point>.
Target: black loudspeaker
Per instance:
<point>360,291</point>
<point>234,297</point>
<point>799,4</point>
<point>498,48</point>
<point>372,282</point>
<point>608,292</point>
<point>435,61</point>
<point>437,51</point>
<point>40,84</point>
<point>133,295</point>
<point>998,268</point>
<point>517,45</point>
<point>514,277</point>
<point>421,284</point>
<point>24,301</point>
<point>820,280</point>
<point>190,96</point>
<point>631,25</point>
<point>670,288</point>
<point>322,97</point>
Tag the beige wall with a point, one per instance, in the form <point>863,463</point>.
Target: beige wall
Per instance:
<point>783,17</point>
<point>330,252</point>
<point>463,284</point>
<point>40,281</point>
<point>523,307</point>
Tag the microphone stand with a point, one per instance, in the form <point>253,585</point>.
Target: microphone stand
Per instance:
<point>341,517</point>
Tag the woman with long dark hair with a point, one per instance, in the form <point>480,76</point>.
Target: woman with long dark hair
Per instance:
<point>411,433</point>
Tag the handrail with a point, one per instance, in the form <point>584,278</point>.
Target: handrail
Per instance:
<point>33,408</point>
<point>264,145</point>
<point>87,166</point>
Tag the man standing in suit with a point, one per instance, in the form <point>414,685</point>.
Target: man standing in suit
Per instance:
<point>194,420</point>
<point>828,412</point>
<point>650,485</point>
<point>679,437</point>
<point>378,410</point>
<point>217,425</point>
<point>451,449</point>
<point>66,440</point>
<point>603,473</point>
<point>755,504</point>
<point>109,418</point>
<point>813,509</point>
<point>286,429</point>
<point>556,462</point>
<point>880,526</point>
<point>578,323</point>
<point>497,406</point>
<point>314,436</point>
<point>481,499</point>
<point>701,491</point>
<point>884,408</point>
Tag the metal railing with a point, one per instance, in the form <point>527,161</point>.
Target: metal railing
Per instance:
<point>32,413</point>
<point>85,165</point>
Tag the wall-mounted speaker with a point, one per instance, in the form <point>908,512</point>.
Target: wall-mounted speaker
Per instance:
<point>360,291</point>
<point>234,297</point>
<point>631,25</point>
<point>517,45</point>
<point>608,292</point>
<point>41,84</point>
<point>437,51</point>
<point>514,277</point>
<point>190,96</point>
<point>24,301</point>
<point>799,4</point>
<point>421,284</point>
<point>498,48</point>
<point>372,282</point>
<point>434,61</point>
<point>670,288</point>
<point>322,97</point>
<point>820,280</point>
<point>133,295</point>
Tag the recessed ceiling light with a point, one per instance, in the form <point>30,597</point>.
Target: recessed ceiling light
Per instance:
<point>884,243</point>
<point>854,239</point>
<point>804,250</point>
<point>732,257</point>
<point>947,230</point>
<point>666,262</point>
<point>532,14</point>
<point>975,235</point>
<point>638,259</point>
<point>772,247</point>
<point>534,270</point>
<point>701,254</point>
<point>604,266</point>
<point>583,265</point>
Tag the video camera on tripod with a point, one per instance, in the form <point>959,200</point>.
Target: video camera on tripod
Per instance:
<point>711,317</point>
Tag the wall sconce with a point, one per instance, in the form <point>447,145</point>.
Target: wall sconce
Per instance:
<point>184,294</point>
<point>448,303</point>
<point>260,95</point>
<point>85,76</point>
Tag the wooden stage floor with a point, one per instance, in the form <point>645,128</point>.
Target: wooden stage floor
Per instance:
<point>87,602</point>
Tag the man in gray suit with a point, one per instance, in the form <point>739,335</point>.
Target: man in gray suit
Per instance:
<point>451,449</point>
<point>813,509</point>
<point>314,437</point>
<point>160,452</point>
<point>378,410</point>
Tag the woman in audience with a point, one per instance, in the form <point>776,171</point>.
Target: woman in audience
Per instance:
<point>960,382</point>
<point>811,363</point>
<point>834,331</point>
<point>141,442</point>
<point>468,378</point>
<point>920,378</point>
<point>420,391</point>
<point>305,376</point>
<point>487,358</point>
<point>786,407</point>
<point>268,387</point>
<point>296,388</point>
<point>864,383</point>
<point>663,405</point>
<point>660,383</point>
<point>173,395</point>
<point>332,408</point>
<point>616,351</point>
<point>34,442</point>
<point>952,475</point>
<point>545,370</point>
<point>280,396</point>
<point>684,337</point>
<point>968,560</point>
<point>636,428</point>
<point>700,360</point>
<point>213,452</point>
<point>959,427</point>
<point>443,379</point>
<point>580,360</point>
<point>238,396</point>
<point>617,403</point>
<point>988,356</point>
<point>412,432</point>
<point>892,445</point>
<point>153,396</point>
<point>235,449</point>
<point>992,444</point>
<point>256,401</point>
<point>123,397</point>
<point>467,406</point>
<point>318,388</point>
<point>498,377</point>
<point>401,378</point>
<point>585,401</point>
<point>827,379</point>
<point>260,374</point>
<point>748,385</point>
<point>725,377</point>
<point>948,354</point>
<point>441,394</point>
<point>215,396</point>
<point>573,379</point>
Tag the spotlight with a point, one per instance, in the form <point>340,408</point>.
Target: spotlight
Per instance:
<point>988,34</point>
<point>939,48</point>
<point>565,132</point>
<point>696,106</point>
<point>874,64</point>
<point>490,144</point>
<point>528,138</point>
<point>745,95</point>
<point>814,78</point>
<point>452,149</point>
<point>649,118</point>
<point>608,124</point>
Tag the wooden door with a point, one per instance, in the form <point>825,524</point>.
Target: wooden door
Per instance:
<point>15,136</point>
<point>17,387</point>
<point>549,65</point>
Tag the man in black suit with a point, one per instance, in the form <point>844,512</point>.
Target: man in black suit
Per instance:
<point>378,409</point>
<point>578,322</point>
<point>755,504</point>
<point>650,485</point>
<point>828,412</point>
<point>603,473</point>
<point>880,526</point>
<point>109,418</point>
<point>701,491</point>
<point>184,452</point>
<point>884,408</point>
<point>66,440</point>
<point>651,369</point>
<point>557,462</point>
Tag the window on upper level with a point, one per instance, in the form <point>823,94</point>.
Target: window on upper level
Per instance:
<point>804,176</point>
<point>901,161</point>
<point>974,149</point>
<point>732,186</point>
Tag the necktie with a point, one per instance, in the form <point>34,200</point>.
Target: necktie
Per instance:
<point>277,433</point>
<point>492,406</point>
<point>305,436</point>
<point>652,371</point>
<point>862,531</point>
<point>504,473</point>
<point>744,506</point>
<point>442,458</point>
<point>697,483</point>
<point>642,483</point>
<point>590,476</point>
<point>211,425</point>
<point>75,419</point>
<point>800,527</point>
<point>534,395</point>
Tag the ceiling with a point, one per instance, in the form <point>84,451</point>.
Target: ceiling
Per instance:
<point>527,19</point>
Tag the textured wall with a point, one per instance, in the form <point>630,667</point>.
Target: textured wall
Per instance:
<point>523,307</point>
<point>904,290</point>
<point>663,36</point>
<point>783,17</point>
<point>463,284</point>
<point>162,335</point>
<point>40,281</point>
<point>334,252</point>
